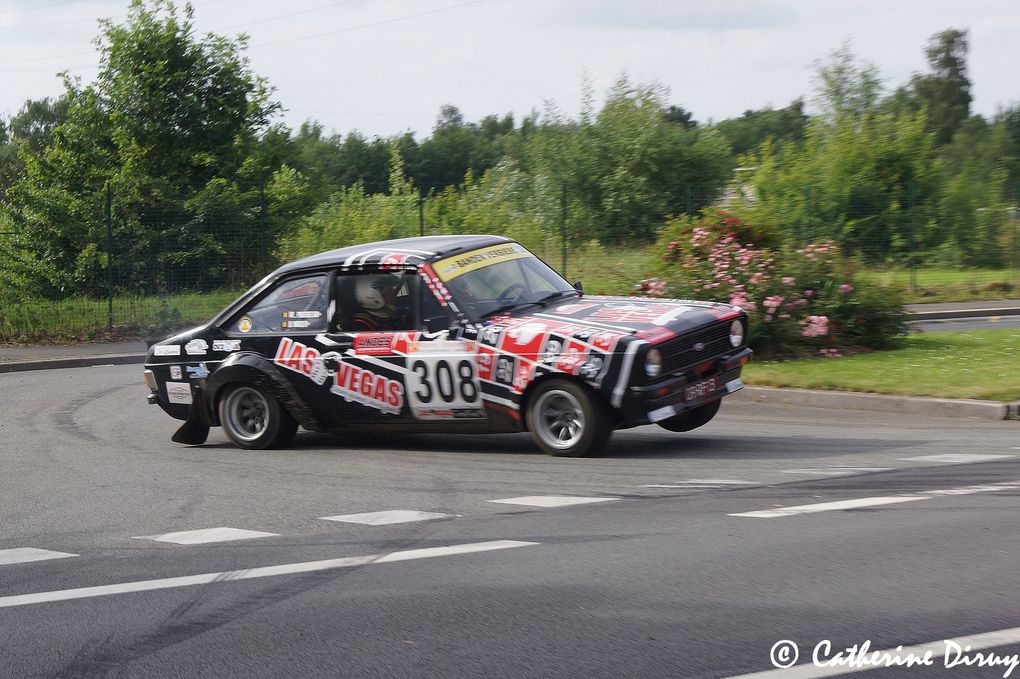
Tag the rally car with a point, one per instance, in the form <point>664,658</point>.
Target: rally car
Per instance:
<point>445,334</point>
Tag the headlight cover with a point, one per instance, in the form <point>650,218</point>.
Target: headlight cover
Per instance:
<point>653,363</point>
<point>736,334</point>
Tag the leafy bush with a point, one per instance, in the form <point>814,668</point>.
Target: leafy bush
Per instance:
<point>799,300</point>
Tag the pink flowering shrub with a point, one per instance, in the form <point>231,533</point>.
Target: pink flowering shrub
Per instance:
<point>799,299</point>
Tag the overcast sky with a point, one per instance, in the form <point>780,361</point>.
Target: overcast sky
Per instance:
<point>386,66</point>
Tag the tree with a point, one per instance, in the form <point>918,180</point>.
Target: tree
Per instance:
<point>747,132</point>
<point>844,87</point>
<point>169,117</point>
<point>944,92</point>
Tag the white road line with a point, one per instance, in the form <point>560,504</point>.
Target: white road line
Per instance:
<point>206,535</point>
<point>254,573</point>
<point>724,482</point>
<point>938,649</point>
<point>684,486</point>
<point>26,554</point>
<point>552,500</point>
<point>836,471</point>
<point>779,512</point>
<point>387,517</point>
<point>830,506</point>
<point>956,458</point>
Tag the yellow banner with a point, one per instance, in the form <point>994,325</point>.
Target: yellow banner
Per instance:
<point>451,267</point>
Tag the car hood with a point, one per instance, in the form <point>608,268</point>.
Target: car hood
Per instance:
<point>648,318</point>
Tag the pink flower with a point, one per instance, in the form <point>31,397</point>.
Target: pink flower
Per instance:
<point>846,288</point>
<point>773,302</point>
<point>815,326</point>
<point>809,293</point>
<point>788,280</point>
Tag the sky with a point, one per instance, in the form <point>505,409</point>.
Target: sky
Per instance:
<point>384,67</point>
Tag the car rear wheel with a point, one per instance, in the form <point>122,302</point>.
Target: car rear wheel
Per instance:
<point>692,419</point>
<point>566,419</point>
<point>255,420</point>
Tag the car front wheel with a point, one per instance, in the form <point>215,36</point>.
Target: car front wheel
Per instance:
<point>255,420</point>
<point>692,419</point>
<point>566,419</point>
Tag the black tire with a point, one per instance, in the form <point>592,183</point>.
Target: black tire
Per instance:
<point>253,419</point>
<point>568,420</point>
<point>692,419</point>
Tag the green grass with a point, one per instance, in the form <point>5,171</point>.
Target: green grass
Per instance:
<point>982,364</point>
<point>950,285</point>
<point>81,318</point>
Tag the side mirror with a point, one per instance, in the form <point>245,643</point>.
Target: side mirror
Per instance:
<point>578,286</point>
<point>437,323</point>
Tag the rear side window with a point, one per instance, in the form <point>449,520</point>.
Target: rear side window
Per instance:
<point>296,305</point>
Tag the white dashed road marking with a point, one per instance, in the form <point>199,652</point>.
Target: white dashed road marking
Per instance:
<point>700,484</point>
<point>829,506</point>
<point>956,458</point>
<point>383,518</point>
<point>552,500</point>
<point>27,554</point>
<point>836,471</point>
<point>206,535</point>
<point>780,512</point>
<point>254,573</point>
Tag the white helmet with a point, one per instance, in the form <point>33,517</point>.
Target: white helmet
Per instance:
<point>369,290</point>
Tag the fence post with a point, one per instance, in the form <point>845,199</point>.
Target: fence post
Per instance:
<point>912,201</point>
<point>563,229</point>
<point>109,257</point>
<point>263,249</point>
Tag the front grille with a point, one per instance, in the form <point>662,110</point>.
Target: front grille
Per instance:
<point>678,354</point>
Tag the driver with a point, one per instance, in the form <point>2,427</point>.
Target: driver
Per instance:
<point>376,296</point>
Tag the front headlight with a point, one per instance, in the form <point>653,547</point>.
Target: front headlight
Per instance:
<point>653,363</point>
<point>736,334</point>
<point>150,381</point>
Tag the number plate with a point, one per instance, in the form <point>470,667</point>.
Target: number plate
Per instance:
<point>700,389</point>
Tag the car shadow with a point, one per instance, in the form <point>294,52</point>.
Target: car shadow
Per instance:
<point>632,445</point>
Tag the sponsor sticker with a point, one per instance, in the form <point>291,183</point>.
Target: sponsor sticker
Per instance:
<point>451,267</point>
<point>166,350</point>
<point>196,347</point>
<point>178,392</point>
<point>302,314</point>
<point>175,372</point>
<point>226,345</point>
<point>367,388</point>
<point>294,355</point>
<point>373,344</point>
<point>245,324</point>
<point>197,371</point>
<point>295,324</point>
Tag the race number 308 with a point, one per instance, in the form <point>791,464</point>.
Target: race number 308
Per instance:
<point>443,382</point>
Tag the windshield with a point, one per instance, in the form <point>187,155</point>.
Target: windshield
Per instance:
<point>499,278</point>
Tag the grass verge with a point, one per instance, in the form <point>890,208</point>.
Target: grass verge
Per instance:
<point>983,364</point>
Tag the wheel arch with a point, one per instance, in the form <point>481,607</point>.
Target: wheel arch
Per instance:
<point>256,370</point>
<point>533,386</point>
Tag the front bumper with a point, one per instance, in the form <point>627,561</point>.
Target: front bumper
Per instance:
<point>676,395</point>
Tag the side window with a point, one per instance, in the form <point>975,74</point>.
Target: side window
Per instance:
<point>294,305</point>
<point>376,302</point>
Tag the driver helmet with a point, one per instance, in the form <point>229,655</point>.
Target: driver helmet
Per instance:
<point>376,294</point>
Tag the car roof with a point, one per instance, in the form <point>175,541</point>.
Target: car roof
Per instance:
<point>409,251</point>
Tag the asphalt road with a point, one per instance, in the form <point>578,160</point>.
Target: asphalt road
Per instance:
<point>967,324</point>
<point>685,567</point>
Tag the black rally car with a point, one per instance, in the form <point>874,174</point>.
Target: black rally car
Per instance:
<point>445,334</point>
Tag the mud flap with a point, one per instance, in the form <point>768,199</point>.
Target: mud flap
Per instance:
<point>195,429</point>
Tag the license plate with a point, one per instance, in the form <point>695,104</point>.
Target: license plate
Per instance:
<point>699,389</point>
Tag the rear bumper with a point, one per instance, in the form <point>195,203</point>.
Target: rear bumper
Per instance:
<point>676,395</point>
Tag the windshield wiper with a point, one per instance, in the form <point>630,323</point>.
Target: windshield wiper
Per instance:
<point>544,301</point>
<point>554,295</point>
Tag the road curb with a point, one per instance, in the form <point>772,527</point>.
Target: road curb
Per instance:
<point>75,362</point>
<point>913,405</point>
